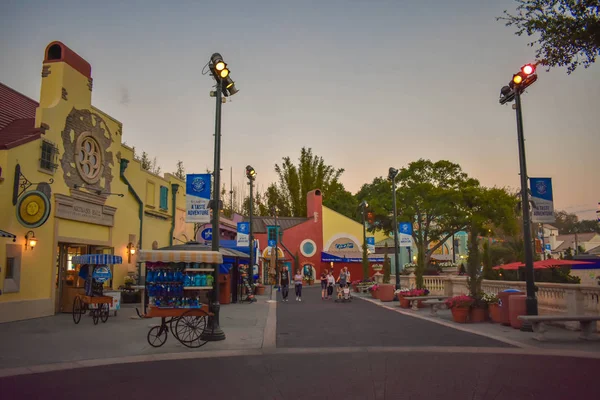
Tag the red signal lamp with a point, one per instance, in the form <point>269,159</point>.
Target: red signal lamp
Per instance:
<point>528,69</point>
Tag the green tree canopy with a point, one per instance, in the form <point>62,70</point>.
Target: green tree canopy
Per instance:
<point>567,31</point>
<point>295,181</point>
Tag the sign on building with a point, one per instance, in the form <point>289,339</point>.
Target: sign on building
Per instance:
<point>541,196</point>
<point>371,244</point>
<point>405,234</point>
<point>197,190</point>
<point>243,234</point>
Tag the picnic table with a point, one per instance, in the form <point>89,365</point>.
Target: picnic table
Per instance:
<point>414,300</point>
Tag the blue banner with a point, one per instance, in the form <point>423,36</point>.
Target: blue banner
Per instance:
<point>371,244</point>
<point>327,257</point>
<point>405,234</point>
<point>541,196</point>
<point>197,190</point>
<point>243,234</point>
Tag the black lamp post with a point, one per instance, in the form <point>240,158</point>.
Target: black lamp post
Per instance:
<point>276,249</point>
<point>392,174</point>
<point>224,87</point>
<point>251,174</point>
<point>365,261</point>
<point>525,77</point>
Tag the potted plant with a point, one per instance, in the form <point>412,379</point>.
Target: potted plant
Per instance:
<point>478,312</point>
<point>259,289</point>
<point>492,301</point>
<point>401,293</point>
<point>355,286</point>
<point>460,306</point>
<point>373,290</point>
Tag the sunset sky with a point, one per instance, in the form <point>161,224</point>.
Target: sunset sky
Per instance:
<point>366,84</point>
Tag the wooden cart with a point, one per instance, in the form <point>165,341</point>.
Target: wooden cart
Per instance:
<point>187,325</point>
<point>95,271</point>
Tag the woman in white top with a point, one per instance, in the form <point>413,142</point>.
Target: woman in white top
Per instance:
<point>330,284</point>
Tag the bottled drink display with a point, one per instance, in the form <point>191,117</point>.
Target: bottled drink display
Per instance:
<point>176,285</point>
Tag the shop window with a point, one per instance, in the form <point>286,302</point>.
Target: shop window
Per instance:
<point>164,198</point>
<point>12,266</point>
<point>150,194</point>
<point>49,156</point>
<point>272,232</point>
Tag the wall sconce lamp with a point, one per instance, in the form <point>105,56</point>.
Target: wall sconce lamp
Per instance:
<point>130,251</point>
<point>30,240</point>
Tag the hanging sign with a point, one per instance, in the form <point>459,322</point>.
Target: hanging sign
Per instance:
<point>101,274</point>
<point>243,234</point>
<point>371,244</point>
<point>197,190</point>
<point>541,196</point>
<point>405,234</point>
<point>206,234</point>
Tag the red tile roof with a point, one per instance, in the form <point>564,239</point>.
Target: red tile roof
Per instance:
<point>17,118</point>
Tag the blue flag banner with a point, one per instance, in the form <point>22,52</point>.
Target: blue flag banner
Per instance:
<point>405,234</point>
<point>543,203</point>
<point>371,244</point>
<point>197,191</point>
<point>243,234</point>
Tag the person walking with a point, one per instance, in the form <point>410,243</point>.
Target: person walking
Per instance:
<point>324,284</point>
<point>330,284</point>
<point>298,285</point>
<point>284,283</point>
<point>343,277</point>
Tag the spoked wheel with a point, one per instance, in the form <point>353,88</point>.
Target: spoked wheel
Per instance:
<point>104,309</point>
<point>77,309</point>
<point>157,335</point>
<point>189,329</point>
<point>96,315</point>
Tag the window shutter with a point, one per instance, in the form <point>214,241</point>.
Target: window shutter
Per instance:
<point>164,198</point>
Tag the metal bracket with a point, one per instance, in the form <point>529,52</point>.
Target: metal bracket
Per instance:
<point>22,184</point>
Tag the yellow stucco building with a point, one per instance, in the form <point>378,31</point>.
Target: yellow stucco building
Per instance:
<point>70,186</point>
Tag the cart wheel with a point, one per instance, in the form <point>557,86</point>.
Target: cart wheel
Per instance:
<point>157,335</point>
<point>104,310</point>
<point>96,316</point>
<point>189,330</point>
<point>77,310</point>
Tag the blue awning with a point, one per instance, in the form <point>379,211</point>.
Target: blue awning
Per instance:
<point>97,259</point>
<point>327,257</point>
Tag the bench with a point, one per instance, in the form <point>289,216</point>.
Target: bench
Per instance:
<point>414,300</point>
<point>538,323</point>
<point>435,305</point>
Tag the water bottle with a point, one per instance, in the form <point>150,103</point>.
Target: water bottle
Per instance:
<point>198,280</point>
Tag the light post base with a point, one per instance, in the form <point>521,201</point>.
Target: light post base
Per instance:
<point>531,305</point>
<point>213,332</point>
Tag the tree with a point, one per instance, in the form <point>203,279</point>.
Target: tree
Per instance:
<point>145,161</point>
<point>568,222</point>
<point>155,168</point>
<point>568,31</point>
<point>432,197</point>
<point>387,266</point>
<point>180,173</point>
<point>289,194</point>
<point>379,196</point>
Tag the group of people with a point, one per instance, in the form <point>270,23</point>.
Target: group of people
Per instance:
<point>328,282</point>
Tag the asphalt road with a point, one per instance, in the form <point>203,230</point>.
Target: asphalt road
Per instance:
<point>324,323</point>
<point>348,375</point>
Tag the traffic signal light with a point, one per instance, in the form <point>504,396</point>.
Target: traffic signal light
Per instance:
<point>520,81</point>
<point>250,173</point>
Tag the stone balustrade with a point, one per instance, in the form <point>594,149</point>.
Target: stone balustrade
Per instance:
<point>553,298</point>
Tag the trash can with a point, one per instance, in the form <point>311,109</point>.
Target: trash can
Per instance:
<point>224,288</point>
<point>505,306</point>
<point>517,307</point>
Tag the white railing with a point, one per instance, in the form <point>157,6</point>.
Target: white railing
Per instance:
<point>553,298</point>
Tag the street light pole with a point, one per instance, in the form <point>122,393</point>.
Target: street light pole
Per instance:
<point>251,236</point>
<point>365,260</point>
<point>531,301</point>
<point>393,173</point>
<point>214,331</point>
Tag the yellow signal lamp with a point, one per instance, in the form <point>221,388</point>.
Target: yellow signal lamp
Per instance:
<point>517,79</point>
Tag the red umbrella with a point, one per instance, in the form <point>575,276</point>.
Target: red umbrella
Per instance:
<point>510,267</point>
<point>549,263</point>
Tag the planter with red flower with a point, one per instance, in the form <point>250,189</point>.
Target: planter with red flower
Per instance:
<point>373,290</point>
<point>411,295</point>
<point>460,307</point>
<point>402,293</point>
